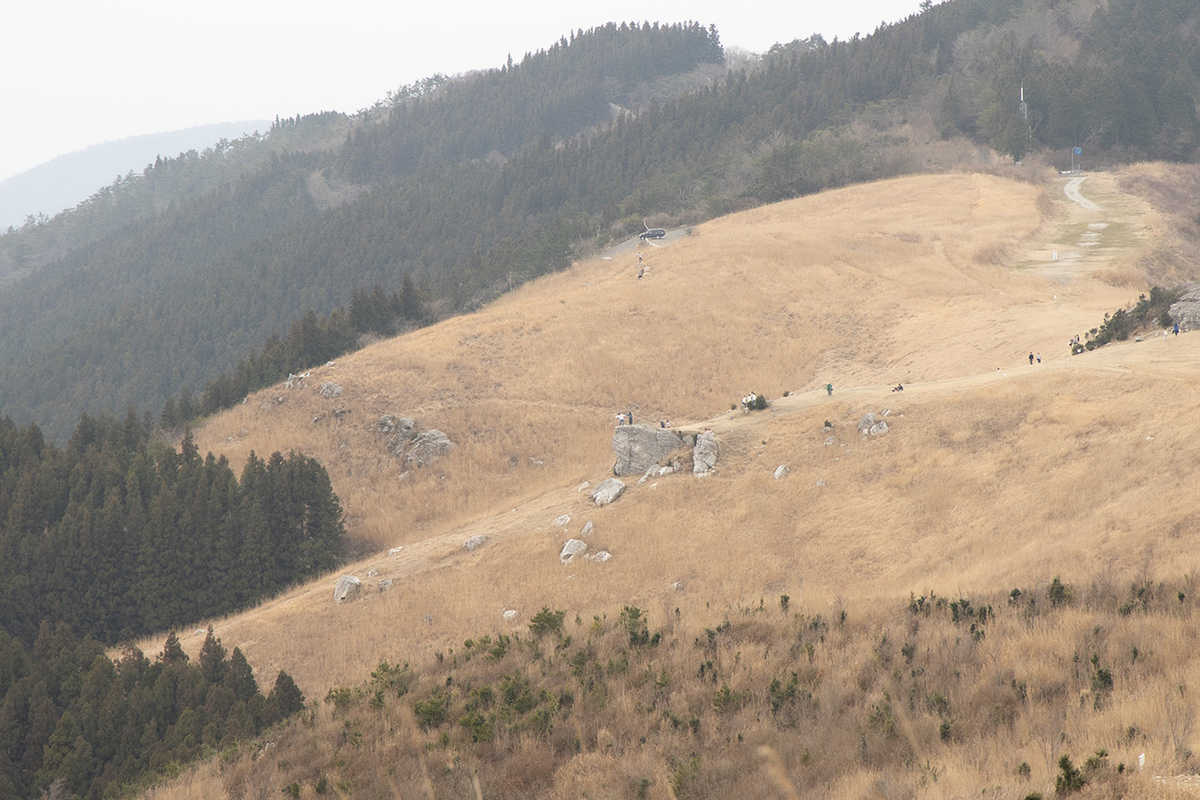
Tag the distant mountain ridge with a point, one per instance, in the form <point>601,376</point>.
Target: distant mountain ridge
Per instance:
<point>66,180</point>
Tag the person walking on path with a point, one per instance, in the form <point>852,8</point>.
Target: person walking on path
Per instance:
<point>1175,330</point>
<point>829,389</point>
<point>1031,358</point>
<point>1039,358</point>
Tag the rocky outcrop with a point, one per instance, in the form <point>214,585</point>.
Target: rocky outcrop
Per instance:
<point>781,471</point>
<point>872,425</point>
<point>347,588</point>
<point>428,447</point>
<point>329,390</point>
<point>638,447</point>
<point>1186,310</point>
<point>406,440</point>
<point>475,542</point>
<point>607,491</point>
<point>705,453</point>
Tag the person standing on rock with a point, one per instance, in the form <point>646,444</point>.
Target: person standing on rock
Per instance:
<point>629,416</point>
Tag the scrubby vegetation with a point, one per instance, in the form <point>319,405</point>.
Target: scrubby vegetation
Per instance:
<point>770,697</point>
<point>1146,314</point>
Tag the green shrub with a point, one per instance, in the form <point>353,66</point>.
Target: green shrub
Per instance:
<point>395,679</point>
<point>547,621</point>
<point>340,697</point>
<point>633,620</point>
<point>1059,593</point>
<point>1070,780</point>
<point>431,712</point>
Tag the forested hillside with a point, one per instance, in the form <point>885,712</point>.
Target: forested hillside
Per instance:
<point>474,184</point>
<point>122,536</point>
<point>74,723</point>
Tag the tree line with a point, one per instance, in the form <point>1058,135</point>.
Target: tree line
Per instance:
<point>74,722</point>
<point>122,535</point>
<point>310,341</point>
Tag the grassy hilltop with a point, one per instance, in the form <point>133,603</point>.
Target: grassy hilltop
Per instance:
<point>1006,577</point>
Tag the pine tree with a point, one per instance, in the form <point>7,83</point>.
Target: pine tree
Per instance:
<point>212,658</point>
<point>286,695</point>
<point>239,677</point>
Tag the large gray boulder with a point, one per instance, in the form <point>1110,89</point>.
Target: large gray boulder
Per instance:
<point>329,389</point>
<point>1186,310</point>
<point>347,588</point>
<point>428,447</point>
<point>638,447</point>
<point>705,453</point>
<point>475,542</point>
<point>607,491</point>
<point>572,548</point>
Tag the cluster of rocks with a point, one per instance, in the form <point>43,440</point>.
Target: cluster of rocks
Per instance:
<point>574,548</point>
<point>873,424</point>
<point>638,448</point>
<point>405,439</point>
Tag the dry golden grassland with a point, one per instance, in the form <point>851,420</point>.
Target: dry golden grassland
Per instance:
<point>851,287</point>
<point>995,474</point>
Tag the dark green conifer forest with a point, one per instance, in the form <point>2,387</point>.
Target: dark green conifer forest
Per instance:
<point>115,536</point>
<point>469,185</point>
<point>75,723</point>
<point>121,536</point>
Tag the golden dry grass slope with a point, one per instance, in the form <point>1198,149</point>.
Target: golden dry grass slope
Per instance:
<point>995,473</point>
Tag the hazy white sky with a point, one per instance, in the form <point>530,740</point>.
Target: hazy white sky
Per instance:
<point>79,72</point>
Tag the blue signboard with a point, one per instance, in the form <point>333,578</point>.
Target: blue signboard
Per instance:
<point>1078,151</point>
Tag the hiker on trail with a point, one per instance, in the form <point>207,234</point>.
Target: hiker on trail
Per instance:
<point>829,389</point>
<point>641,272</point>
<point>899,387</point>
<point>1175,330</point>
<point>639,259</point>
<point>1031,359</point>
<point>1039,358</point>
